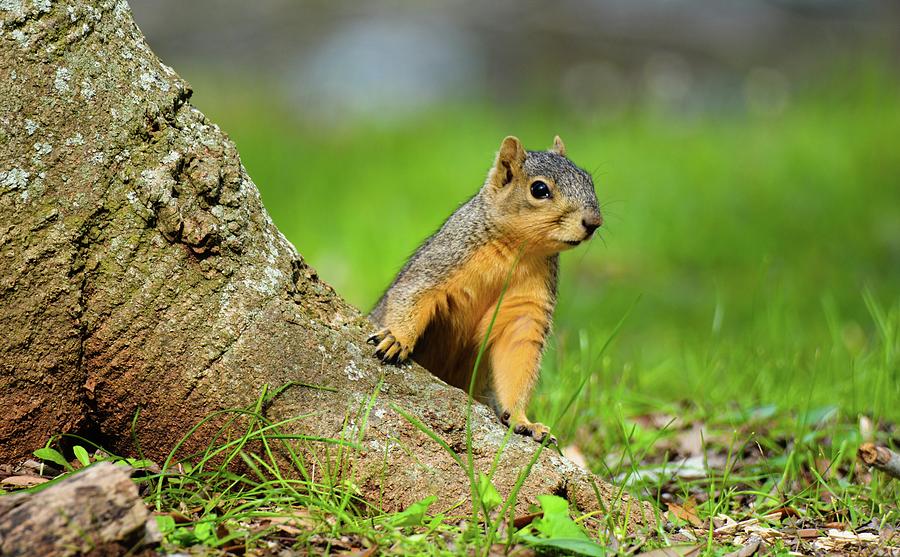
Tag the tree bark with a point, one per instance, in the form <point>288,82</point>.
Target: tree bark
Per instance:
<point>141,271</point>
<point>96,508</point>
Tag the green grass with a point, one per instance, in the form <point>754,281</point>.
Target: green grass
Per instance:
<point>286,500</point>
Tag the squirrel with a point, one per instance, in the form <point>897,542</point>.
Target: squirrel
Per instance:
<point>532,206</point>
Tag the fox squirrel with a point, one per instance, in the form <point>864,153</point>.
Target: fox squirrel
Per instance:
<point>533,205</point>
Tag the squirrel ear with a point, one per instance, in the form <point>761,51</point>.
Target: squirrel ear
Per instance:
<point>510,160</point>
<point>558,147</point>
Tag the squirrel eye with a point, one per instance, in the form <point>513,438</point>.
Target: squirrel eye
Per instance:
<point>540,190</point>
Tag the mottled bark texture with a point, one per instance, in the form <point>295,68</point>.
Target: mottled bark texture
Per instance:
<point>96,509</point>
<point>139,269</point>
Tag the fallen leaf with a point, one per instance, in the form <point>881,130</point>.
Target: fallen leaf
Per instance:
<point>750,548</point>
<point>723,521</point>
<point>23,481</point>
<point>288,529</point>
<point>364,553</point>
<point>177,517</point>
<point>686,513</point>
<point>525,520</point>
<point>852,537</point>
<point>786,512</point>
<point>732,527</point>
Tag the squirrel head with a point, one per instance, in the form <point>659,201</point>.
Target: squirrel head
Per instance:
<point>540,198</point>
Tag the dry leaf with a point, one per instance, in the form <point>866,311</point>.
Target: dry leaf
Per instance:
<point>288,529</point>
<point>851,537</point>
<point>23,481</point>
<point>732,527</point>
<point>525,520</point>
<point>723,521</point>
<point>786,512</point>
<point>751,547</point>
<point>364,553</point>
<point>687,512</point>
<point>178,517</point>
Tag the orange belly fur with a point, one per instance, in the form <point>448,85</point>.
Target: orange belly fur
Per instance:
<point>465,304</point>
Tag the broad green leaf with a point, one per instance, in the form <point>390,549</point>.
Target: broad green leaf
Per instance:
<point>488,493</point>
<point>183,536</point>
<point>53,456</point>
<point>165,523</point>
<point>414,514</point>
<point>205,532</point>
<point>82,455</point>
<point>556,522</point>
<point>557,530</point>
<point>139,463</point>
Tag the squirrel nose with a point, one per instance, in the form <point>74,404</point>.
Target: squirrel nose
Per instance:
<point>591,223</point>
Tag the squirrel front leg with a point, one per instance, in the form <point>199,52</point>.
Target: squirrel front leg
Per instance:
<point>404,322</point>
<point>515,365</point>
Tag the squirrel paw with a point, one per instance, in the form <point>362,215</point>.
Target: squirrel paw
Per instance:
<point>387,348</point>
<point>535,430</point>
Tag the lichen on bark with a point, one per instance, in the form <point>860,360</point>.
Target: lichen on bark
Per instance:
<point>140,271</point>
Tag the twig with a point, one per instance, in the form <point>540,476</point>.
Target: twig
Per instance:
<point>881,458</point>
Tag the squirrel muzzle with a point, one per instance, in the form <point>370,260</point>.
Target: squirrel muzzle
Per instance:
<point>591,222</point>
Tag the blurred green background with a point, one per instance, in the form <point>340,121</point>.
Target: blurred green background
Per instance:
<point>748,167</point>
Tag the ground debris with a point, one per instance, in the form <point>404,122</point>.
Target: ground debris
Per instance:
<point>750,548</point>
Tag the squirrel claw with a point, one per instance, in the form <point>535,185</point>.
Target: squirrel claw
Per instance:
<point>537,431</point>
<point>388,349</point>
<point>376,338</point>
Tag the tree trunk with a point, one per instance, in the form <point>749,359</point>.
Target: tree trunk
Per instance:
<point>141,271</point>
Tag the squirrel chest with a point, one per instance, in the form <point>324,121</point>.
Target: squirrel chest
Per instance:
<point>466,302</point>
